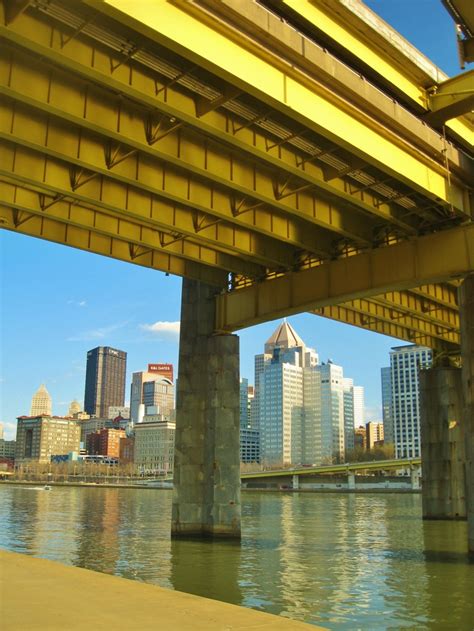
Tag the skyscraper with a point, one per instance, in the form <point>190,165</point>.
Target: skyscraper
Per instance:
<point>105,380</point>
<point>289,423</point>
<point>159,393</point>
<point>299,403</point>
<point>249,436</point>
<point>405,362</point>
<point>332,410</point>
<point>387,404</point>
<point>41,402</point>
<point>349,426</point>
<point>354,411</point>
<point>155,372</point>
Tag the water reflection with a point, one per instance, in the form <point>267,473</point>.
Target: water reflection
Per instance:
<point>209,569</point>
<point>342,561</point>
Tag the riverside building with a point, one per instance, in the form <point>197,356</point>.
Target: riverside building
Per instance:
<point>287,395</point>
<point>299,403</point>
<point>40,437</point>
<point>386,379</point>
<point>354,411</point>
<point>154,446</point>
<point>374,433</point>
<point>249,434</point>
<point>155,372</point>
<point>105,380</point>
<point>105,442</point>
<point>405,363</point>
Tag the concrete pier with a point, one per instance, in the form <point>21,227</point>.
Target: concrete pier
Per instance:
<point>442,443</point>
<point>466,312</point>
<point>42,595</point>
<point>206,497</point>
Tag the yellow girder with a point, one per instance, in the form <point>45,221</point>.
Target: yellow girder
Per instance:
<point>369,314</point>
<point>182,33</point>
<point>361,34</point>
<point>250,22</point>
<point>137,84</point>
<point>420,307</point>
<point>408,264</point>
<point>101,219</point>
<point>50,229</point>
<point>443,294</point>
<point>341,206</point>
<point>452,97</point>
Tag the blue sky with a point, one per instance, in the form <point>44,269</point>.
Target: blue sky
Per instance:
<point>57,302</point>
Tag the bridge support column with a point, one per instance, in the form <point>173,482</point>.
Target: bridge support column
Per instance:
<point>466,313</point>
<point>442,443</point>
<point>296,482</point>
<point>351,481</point>
<point>415,479</point>
<point>206,496</point>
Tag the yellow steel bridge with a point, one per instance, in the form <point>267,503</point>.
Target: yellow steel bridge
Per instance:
<point>300,155</point>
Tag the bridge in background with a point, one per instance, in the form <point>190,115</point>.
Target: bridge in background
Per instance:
<point>345,468</point>
<point>280,156</point>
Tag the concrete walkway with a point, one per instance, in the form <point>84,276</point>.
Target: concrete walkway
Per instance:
<point>41,595</point>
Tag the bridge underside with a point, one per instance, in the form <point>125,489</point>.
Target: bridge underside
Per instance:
<point>118,140</point>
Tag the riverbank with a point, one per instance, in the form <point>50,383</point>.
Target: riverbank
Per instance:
<point>169,487</point>
<point>110,485</point>
<point>42,595</point>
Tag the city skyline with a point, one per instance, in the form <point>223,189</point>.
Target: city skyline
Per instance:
<point>59,302</point>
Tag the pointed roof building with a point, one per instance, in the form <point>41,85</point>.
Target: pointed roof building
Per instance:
<point>41,402</point>
<point>74,408</point>
<point>285,337</point>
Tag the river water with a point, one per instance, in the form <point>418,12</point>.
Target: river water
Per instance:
<point>344,561</point>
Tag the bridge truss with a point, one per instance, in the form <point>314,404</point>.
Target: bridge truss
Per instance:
<point>217,141</point>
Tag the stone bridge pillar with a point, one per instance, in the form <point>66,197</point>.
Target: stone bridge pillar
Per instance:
<point>206,496</point>
<point>442,443</point>
<point>466,312</point>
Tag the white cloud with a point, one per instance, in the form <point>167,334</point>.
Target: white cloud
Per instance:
<point>9,429</point>
<point>163,330</point>
<point>97,334</point>
<point>77,303</point>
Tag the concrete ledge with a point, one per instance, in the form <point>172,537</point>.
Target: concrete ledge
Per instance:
<point>41,595</point>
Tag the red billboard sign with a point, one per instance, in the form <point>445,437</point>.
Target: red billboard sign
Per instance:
<point>165,370</point>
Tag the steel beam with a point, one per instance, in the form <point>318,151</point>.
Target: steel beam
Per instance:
<point>341,206</point>
<point>103,221</point>
<point>424,308</point>
<point>426,176</point>
<point>78,237</point>
<point>369,314</point>
<point>429,259</point>
<point>120,198</point>
<point>281,89</point>
<point>375,47</point>
<point>451,98</point>
<point>14,8</point>
<point>297,48</point>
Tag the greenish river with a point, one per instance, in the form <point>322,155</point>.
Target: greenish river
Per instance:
<point>344,561</point>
